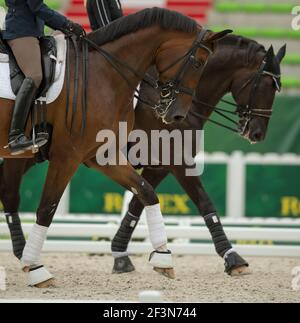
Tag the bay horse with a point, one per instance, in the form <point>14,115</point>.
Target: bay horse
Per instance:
<point>156,36</point>
<point>235,61</point>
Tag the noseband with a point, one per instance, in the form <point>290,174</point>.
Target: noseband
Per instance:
<point>246,112</point>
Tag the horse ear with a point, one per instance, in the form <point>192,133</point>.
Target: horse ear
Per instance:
<point>281,53</point>
<point>219,35</point>
<point>269,59</point>
<point>270,53</point>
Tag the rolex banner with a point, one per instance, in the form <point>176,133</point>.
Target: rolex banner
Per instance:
<point>277,194</point>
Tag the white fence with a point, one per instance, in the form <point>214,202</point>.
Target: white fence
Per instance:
<point>236,174</point>
<point>107,231</point>
<point>180,232</point>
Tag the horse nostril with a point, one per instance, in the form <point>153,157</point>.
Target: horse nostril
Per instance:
<point>178,118</point>
<point>257,135</point>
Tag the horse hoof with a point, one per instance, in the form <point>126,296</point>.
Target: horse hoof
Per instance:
<point>240,271</point>
<point>123,265</point>
<point>39,277</point>
<point>167,272</point>
<point>162,263</point>
<point>235,265</point>
<point>46,284</point>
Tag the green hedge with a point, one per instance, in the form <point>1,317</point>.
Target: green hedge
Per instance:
<point>291,82</point>
<point>252,32</point>
<point>292,59</point>
<point>254,7</point>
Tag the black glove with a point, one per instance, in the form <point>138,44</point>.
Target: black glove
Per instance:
<point>74,29</point>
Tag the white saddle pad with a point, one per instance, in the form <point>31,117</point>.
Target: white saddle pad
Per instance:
<point>55,89</point>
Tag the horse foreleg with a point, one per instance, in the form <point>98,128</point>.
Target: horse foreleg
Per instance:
<point>12,171</point>
<point>122,262</point>
<point>161,258</point>
<point>234,263</point>
<point>58,177</point>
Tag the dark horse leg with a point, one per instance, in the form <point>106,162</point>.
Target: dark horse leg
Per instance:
<point>11,174</point>
<point>122,262</point>
<point>234,264</point>
<point>146,198</point>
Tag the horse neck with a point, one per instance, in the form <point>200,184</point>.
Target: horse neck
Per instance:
<point>213,85</point>
<point>142,49</point>
<point>138,50</point>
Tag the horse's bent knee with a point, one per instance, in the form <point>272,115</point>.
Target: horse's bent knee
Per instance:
<point>45,214</point>
<point>146,194</point>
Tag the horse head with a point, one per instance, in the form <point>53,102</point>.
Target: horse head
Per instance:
<point>180,63</point>
<point>254,91</point>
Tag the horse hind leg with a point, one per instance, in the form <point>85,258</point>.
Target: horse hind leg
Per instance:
<point>10,199</point>
<point>16,233</point>
<point>11,174</point>
<point>125,175</point>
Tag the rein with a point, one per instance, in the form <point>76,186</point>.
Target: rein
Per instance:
<point>72,40</point>
<point>115,62</point>
<point>169,90</point>
<point>172,88</point>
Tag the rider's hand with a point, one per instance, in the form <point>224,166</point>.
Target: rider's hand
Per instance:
<point>74,28</point>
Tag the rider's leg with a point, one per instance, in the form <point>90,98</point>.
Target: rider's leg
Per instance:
<point>115,9</point>
<point>101,13</point>
<point>28,56</point>
<point>92,16</point>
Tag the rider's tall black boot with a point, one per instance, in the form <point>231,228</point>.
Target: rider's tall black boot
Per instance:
<point>18,143</point>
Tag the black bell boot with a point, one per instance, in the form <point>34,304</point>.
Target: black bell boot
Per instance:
<point>18,143</point>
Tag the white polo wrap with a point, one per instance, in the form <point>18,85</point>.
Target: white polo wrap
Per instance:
<point>156,226</point>
<point>34,245</point>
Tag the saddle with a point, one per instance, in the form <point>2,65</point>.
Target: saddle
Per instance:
<point>49,54</point>
<point>55,57</point>
<point>49,61</point>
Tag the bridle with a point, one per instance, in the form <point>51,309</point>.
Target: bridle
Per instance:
<point>245,112</point>
<point>169,90</point>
